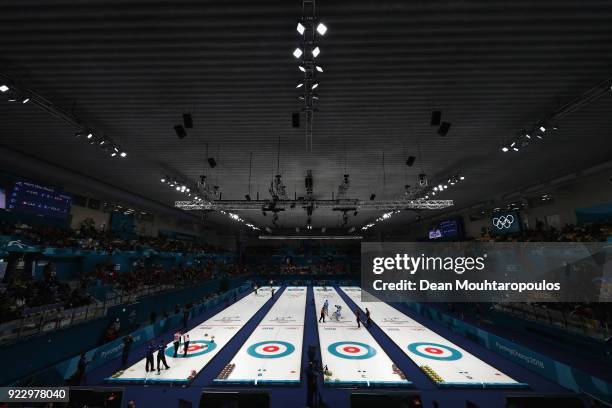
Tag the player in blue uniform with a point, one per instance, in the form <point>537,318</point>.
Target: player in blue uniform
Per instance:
<point>161,356</point>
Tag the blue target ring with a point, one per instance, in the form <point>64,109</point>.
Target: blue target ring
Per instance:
<point>454,354</point>
<point>252,350</point>
<point>200,346</point>
<point>369,350</point>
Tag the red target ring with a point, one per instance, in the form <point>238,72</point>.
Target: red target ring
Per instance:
<point>271,349</point>
<point>194,347</point>
<point>351,349</point>
<point>433,350</point>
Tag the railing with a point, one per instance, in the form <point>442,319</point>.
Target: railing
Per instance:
<point>578,324</point>
<point>49,320</point>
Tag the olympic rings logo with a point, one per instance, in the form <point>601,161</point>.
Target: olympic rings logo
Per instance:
<point>503,221</point>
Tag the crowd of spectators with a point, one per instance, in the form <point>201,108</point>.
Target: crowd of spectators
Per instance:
<point>597,232</point>
<point>88,238</point>
<point>21,294</point>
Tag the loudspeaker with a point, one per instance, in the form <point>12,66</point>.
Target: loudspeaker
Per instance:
<point>410,161</point>
<point>212,162</point>
<point>187,120</point>
<point>443,129</point>
<point>295,119</point>
<point>180,131</point>
<point>436,116</point>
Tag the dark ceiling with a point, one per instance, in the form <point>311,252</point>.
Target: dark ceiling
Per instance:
<point>133,67</point>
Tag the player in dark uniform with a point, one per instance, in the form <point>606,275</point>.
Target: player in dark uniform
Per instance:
<point>150,362</point>
<point>161,356</point>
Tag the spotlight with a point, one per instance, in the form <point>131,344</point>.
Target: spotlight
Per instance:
<point>89,135</point>
<point>297,53</point>
<point>26,100</point>
<point>318,68</point>
<point>188,120</point>
<point>443,129</point>
<point>180,131</point>
<point>504,149</point>
<point>178,188</point>
<point>321,29</point>
<point>316,51</point>
<point>542,128</point>
<point>102,141</point>
<point>410,161</point>
<point>123,154</point>
<point>113,154</point>
<point>300,28</point>
<point>4,88</point>
<point>301,68</point>
<point>461,177</point>
<point>315,85</point>
<point>436,116</point>
<point>163,179</point>
<point>301,84</point>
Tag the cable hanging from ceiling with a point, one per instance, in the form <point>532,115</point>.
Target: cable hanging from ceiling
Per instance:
<point>310,29</point>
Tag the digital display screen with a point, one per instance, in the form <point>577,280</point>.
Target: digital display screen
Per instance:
<point>32,198</point>
<point>449,229</point>
<point>2,198</point>
<point>506,222</point>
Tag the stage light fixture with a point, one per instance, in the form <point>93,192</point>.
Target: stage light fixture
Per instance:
<point>318,68</point>
<point>504,149</point>
<point>113,154</point>
<point>461,177</point>
<point>297,53</point>
<point>542,128</point>
<point>316,51</point>
<point>26,100</point>
<point>163,179</point>
<point>4,88</point>
<point>301,68</point>
<point>301,84</point>
<point>321,28</point>
<point>123,154</point>
<point>315,85</point>
<point>300,28</point>
<point>89,135</point>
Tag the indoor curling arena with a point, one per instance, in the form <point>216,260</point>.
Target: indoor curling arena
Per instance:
<point>305,204</point>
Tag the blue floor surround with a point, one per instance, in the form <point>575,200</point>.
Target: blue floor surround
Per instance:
<point>295,396</point>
